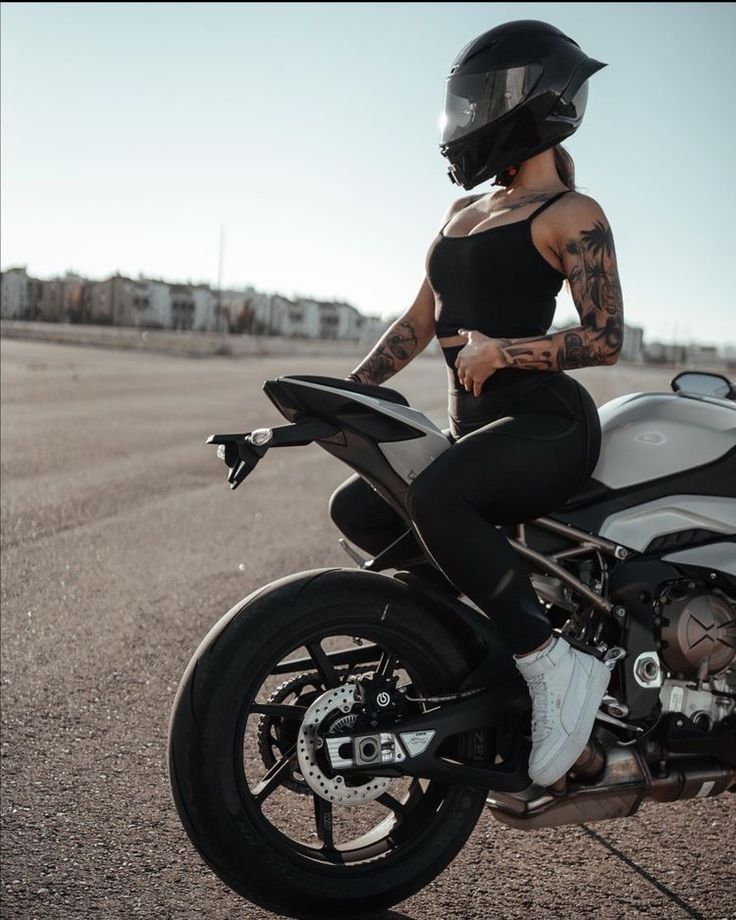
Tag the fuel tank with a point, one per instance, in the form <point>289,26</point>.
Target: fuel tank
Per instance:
<point>649,435</point>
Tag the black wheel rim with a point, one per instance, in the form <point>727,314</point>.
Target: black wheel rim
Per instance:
<point>316,830</point>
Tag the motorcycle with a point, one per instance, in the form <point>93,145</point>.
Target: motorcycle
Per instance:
<point>339,732</point>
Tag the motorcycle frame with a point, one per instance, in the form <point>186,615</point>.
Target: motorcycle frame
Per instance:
<point>546,564</point>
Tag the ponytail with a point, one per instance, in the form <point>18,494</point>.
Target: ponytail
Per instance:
<point>565,166</point>
<point>563,163</point>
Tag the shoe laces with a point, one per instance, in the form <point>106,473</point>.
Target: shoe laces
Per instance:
<point>542,708</point>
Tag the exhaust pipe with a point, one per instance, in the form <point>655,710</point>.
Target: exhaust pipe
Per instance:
<point>692,779</point>
<point>618,791</point>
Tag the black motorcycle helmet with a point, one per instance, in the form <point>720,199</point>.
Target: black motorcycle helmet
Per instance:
<point>512,93</point>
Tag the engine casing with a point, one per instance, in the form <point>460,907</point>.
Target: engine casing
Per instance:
<point>697,629</point>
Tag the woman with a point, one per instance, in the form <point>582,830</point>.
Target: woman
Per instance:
<point>525,435</point>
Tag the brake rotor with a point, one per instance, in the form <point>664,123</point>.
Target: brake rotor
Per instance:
<point>333,788</point>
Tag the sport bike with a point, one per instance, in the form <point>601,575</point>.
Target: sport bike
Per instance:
<point>339,732</point>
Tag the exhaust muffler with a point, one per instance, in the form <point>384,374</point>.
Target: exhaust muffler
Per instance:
<point>619,788</point>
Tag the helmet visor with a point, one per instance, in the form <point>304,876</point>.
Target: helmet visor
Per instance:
<point>477,99</point>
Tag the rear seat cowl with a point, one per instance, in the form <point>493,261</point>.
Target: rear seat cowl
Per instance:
<point>368,389</point>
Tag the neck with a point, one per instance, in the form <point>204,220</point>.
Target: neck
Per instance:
<point>537,174</point>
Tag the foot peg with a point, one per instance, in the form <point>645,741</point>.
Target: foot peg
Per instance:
<point>613,656</point>
<point>609,657</point>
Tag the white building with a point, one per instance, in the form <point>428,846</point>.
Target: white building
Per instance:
<point>633,344</point>
<point>248,311</point>
<point>206,314</point>
<point>303,317</point>
<point>703,356</point>
<point>158,313</point>
<point>371,328</point>
<point>15,290</point>
<point>665,353</point>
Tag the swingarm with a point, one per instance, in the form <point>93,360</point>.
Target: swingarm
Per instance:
<point>417,746</point>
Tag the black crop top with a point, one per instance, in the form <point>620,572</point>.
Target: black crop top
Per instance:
<point>495,281</point>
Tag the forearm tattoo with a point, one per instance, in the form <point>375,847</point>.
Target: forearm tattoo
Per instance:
<point>596,290</point>
<point>393,351</point>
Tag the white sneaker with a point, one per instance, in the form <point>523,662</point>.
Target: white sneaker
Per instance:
<point>566,687</point>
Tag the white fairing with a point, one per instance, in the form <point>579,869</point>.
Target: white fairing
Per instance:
<point>648,435</point>
<point>719,557</point>
<point>636,527</point>
<point>409,458</point>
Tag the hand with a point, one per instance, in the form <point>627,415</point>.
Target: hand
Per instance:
<point>480,358</point>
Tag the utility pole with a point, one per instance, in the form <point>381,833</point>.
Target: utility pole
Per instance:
<point>219,278</point>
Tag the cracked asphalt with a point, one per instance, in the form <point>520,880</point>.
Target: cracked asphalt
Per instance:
<point>121,546</point>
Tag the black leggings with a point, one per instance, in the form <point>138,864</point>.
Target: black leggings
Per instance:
<point>514,468</point>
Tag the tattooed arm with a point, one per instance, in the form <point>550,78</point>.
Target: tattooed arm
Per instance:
<point>403,340</point>
<point>411,332</point>
<point>585,245</point>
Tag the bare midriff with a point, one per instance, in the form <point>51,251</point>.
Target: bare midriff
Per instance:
<point>451,340</point>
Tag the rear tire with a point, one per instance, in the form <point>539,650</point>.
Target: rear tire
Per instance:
<point>207,766</point>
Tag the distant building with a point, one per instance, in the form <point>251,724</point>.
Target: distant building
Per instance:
<point>19,294</point>
<point>206,309</point>
<point>337,321</point>
<point>116,301</point>
<point>728,353</point>
<point>246,311</point>
<point>702,356</point>
<point>633,344</point>
<point>61,299</point>
<point>371,328</point>
<point>155,303</point>
<point>273,314</point>
<point>662,353</point>
<point>182,306</point>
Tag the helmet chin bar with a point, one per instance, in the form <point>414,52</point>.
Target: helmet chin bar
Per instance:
<point>458,177</point>
<point>455,174</point>
<point>503,178</point>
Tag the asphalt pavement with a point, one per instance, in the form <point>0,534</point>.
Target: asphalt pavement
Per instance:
<point>121,546</point>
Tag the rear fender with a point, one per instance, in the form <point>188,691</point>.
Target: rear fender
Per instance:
<point>488,660</point>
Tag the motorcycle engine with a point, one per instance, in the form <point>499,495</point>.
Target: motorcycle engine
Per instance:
<point>696,627</point>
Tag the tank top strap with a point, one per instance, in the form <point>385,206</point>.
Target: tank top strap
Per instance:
<point>546,204</point>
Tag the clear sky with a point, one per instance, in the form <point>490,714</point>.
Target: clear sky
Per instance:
<point>132,132</point>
